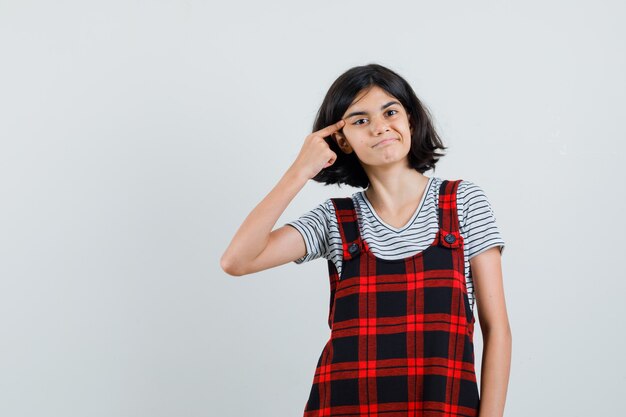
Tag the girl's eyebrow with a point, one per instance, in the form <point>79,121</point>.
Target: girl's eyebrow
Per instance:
<point>356,113</point>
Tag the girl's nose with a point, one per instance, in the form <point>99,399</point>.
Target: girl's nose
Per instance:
<point>379,125</point>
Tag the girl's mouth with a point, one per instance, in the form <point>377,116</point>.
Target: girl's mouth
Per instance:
<point>385,141</point>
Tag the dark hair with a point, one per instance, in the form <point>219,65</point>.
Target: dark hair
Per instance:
<point>424,141</point>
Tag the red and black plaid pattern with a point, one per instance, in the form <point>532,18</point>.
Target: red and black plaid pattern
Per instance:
<point>401,340</point>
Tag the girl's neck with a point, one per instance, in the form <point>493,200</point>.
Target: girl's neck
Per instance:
<point>391,191</point>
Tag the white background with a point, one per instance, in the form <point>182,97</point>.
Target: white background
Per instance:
<point>137,135</point>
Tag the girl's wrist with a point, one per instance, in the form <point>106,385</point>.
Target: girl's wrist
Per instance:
<point>296,175</point>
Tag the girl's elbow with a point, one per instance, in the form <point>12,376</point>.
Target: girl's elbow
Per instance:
<point>499,328</point>
<point>231,268</point>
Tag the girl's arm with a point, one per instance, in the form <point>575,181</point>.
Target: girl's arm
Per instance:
<point>255,246</point>
<point>255,235</point>
<point>496,331</point>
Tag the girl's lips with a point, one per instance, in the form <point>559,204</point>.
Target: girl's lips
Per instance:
<point>384,142</point>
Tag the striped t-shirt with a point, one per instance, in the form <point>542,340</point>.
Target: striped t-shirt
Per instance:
<point>477,221</point>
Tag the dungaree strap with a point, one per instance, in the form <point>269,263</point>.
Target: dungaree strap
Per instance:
<point>449,230</point>
<point>348,227</point>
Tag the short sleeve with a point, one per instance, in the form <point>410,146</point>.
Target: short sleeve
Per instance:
<point>478,221</point>
<point>314,227</point>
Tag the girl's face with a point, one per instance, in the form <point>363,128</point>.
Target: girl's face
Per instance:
<point>374,117</point>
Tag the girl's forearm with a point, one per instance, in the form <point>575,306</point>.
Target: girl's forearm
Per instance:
<point>495,370</point>
<point>253,234</point>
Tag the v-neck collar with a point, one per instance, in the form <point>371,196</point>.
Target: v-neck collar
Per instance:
<point>413,217</point>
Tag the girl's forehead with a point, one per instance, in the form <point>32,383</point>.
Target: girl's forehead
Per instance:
<point>374,97</point>
<point>370,93</point>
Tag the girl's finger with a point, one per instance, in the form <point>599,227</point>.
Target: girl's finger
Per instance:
<point>331,129</point>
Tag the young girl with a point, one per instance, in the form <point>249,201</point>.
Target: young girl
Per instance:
<point>407,258</point>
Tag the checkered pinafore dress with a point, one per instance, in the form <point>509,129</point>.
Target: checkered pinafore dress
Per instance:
<point>401,340</point>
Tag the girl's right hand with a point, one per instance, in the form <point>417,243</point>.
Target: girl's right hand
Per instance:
<point>315,153</point>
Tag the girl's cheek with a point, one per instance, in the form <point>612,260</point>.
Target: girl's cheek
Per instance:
<point>349,130</point>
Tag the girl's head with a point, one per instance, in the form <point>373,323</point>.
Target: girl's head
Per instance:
<point>386,107</point>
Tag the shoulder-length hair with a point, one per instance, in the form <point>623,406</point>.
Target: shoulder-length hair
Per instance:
<point>424,140</point>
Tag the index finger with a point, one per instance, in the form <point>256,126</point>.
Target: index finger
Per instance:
<point>331,129</point>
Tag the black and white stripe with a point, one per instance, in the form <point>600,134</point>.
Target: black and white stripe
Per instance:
<point>480,232</point>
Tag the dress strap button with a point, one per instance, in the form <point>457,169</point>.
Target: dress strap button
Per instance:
<point>450,238</point>
<point>353,248</point>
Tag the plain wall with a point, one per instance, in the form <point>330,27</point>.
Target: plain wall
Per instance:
<point>136,136</point>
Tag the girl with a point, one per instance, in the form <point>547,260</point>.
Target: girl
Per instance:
<point>407,257</point>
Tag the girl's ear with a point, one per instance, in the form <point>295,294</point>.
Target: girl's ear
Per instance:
<point>342,143</point>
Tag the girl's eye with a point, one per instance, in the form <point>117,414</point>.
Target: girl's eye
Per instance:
<point>357,122</point>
